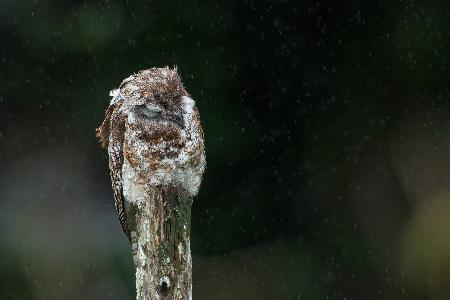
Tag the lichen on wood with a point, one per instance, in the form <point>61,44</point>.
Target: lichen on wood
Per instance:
<point>161,246</point>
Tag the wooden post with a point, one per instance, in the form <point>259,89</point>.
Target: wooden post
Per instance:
<point>156,156</point>
<point>161,245</point>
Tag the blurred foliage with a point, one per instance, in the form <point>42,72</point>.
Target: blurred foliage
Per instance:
<point>326,125</point>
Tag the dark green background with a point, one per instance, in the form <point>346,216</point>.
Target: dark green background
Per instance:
<point>327,127</point>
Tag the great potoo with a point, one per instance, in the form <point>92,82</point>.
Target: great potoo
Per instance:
<point>154,138</point>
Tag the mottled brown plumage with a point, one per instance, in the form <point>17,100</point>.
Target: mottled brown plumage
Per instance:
<point>153,135</point>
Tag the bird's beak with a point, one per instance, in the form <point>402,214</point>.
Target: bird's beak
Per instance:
<point>175,117</point>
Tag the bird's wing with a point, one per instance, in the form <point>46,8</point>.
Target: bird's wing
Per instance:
<point>115,150</point>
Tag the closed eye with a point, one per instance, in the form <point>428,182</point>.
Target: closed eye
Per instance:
<point>151,110</point>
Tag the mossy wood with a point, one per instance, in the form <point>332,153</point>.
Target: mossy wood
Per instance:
<point>161,245</point>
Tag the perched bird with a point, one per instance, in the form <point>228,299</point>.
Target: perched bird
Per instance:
<point>154,139</point>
